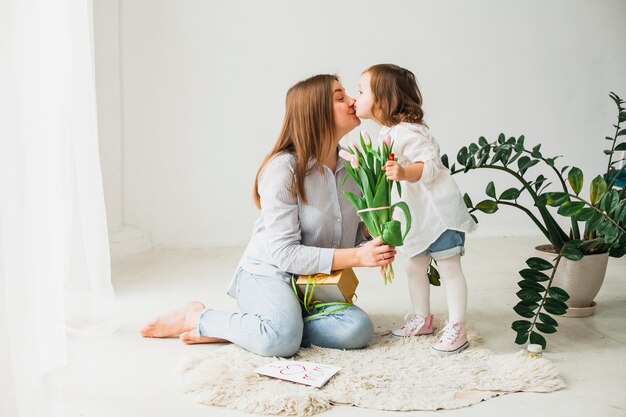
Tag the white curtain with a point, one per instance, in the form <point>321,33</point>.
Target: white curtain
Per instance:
<point>54,253</point>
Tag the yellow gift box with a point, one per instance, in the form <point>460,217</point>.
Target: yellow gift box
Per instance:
<point>339,286</point>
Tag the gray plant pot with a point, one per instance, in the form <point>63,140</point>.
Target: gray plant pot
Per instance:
<point>581,279</point>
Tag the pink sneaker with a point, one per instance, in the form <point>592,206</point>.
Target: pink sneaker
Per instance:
<point>415,325</point>
<point>452,340</point>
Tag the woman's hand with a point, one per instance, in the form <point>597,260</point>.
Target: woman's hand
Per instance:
<point>376,253</point>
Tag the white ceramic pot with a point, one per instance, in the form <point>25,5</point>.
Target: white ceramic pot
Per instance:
<point>581,279</point>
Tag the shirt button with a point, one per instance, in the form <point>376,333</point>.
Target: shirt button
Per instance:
<point>338,220</point>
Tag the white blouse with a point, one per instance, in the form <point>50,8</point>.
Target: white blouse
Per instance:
<point>435,201</point>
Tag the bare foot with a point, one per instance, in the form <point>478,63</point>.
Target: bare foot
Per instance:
<point>192,337</point>
<point>175,322</point>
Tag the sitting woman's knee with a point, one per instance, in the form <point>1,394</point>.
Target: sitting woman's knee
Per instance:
<point>360,333</point>
<point>281,342</point>
<point>356,332</point>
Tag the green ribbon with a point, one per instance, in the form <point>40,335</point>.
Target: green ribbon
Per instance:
<point>308,303</point>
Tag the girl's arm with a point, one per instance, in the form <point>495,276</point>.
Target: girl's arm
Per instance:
<point>421,152</point>
<point>397,172</point>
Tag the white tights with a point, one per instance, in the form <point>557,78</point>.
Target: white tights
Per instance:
<point>452,279</point>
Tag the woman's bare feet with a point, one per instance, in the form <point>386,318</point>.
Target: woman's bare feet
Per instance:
<point>175,322</point>
<point>192,337</point>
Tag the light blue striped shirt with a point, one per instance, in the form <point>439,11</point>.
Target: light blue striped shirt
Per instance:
<point>290,237</point>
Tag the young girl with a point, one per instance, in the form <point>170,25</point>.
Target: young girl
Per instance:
<point>388,94</point>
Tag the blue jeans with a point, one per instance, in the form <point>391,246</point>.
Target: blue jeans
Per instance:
<point>271,321</point>
<point>450,243</point>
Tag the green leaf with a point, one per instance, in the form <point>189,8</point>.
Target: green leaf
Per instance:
<point>535,153</point>
<point>381,199</point>
<point>553,306</point>
<point>510,194</point>
<point>526,294</point>
<point>501,138</point>
<point>598,188</point>
<point>569,208</point>
<point>558,294</point>
<point>491,190</point>
<point>444,161</point>
<point>392,233</point>
<point>547,319</point>
<point>533,275</point>
<point>554,199</point>
<point>575,178</point>
<point>407,215</point>
<point>483,142</point>
<point>611,199</point>
<point>539,264</point>
<point>538,339</point>
<point>531,285</point>
<point>487,206</point>
<point>621,147</point>
<point>461,157</point>
<point>545,328</point>
<point>622,116</point>
<point>592,245</point>
<point>584,214</point>
<point>467,200</point>
<point>527,165</point>
<point>367,190</point>
<point>522,161</point>
<point>521,325</point>
<point>357,202</point>
<point>537,184</point>
<point>620,133</point>
<point>524,311</point>
<point>522,338</point>
<point>572,254</point>
<point>433,275</point>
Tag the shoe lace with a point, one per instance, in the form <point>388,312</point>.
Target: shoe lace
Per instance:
<point>449,334</point>
<point>413,323</point>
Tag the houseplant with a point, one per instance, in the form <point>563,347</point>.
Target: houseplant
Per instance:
<point>603,217</point>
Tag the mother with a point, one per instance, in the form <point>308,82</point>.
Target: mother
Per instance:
<point>306,226</point>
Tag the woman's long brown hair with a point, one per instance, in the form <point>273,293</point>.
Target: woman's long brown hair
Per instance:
<point>397,98</point>
<point>308,130</point>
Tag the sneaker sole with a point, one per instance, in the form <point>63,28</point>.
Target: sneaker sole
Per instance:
<point>403,336</point>
<point>450,352</point>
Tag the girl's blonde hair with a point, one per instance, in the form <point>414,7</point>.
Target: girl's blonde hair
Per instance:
<point>397,98</point>
<point>308,130</point>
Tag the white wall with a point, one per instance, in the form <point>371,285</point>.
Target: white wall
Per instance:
<point>203,87</point>
<point>107,56</point>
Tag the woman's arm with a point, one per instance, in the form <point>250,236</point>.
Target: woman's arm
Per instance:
<point>372,253</point>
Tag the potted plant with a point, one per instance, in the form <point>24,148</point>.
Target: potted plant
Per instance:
<point>602,217</point>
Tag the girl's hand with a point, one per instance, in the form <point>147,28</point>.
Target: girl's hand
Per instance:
<point>394,171</point>
<point>376,253</point>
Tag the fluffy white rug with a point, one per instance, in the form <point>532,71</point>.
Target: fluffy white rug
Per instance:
<point>391,374</point>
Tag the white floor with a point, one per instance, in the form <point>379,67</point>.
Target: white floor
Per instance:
<point>125,375</point>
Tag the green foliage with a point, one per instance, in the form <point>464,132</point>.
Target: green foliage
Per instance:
<point>603,217</point>
<point>364,166</point>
